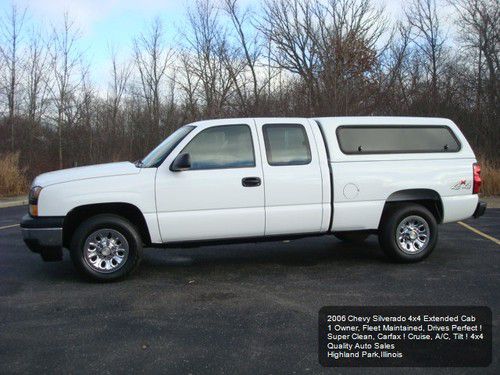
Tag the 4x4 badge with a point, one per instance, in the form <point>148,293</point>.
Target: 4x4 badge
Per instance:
<point>462,184</point>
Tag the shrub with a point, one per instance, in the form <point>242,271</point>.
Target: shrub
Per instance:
<point>12,178</point>
<point>490,174</point>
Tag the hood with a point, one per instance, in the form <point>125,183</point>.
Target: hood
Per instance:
<point>82,173</point>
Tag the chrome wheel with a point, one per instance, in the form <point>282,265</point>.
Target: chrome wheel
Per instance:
<point>412,234</point>
<point>106,250</point>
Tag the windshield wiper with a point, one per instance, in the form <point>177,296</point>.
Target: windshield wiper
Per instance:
<point>139,163</point>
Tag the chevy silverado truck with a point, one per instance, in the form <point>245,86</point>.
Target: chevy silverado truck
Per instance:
<point>253,179</point>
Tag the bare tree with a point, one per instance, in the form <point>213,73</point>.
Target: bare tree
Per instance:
<point>347,38</point>
<point>392,64</point>
<point>422,16</point>
<point>152,60</point>
<point>479,23</point>
<point>37,76</point>
<point>189,86</point>
<point>65,60</point>
<point>250,47</point>
<point>120,74</point>
<point>331,45</point>
<point>12,26</point>
<point>36,86</point>
<point>211,60</point>
<point>289,26</point>
<point>84,116</point>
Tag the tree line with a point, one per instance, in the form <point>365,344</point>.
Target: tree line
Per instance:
<point>280,58</point>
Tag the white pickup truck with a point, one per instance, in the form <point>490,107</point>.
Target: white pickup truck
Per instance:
<point>252,179</point>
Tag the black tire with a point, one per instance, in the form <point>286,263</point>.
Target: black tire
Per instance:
<point>388,239</point>
<point>114,223</point>
<point>353,236</point>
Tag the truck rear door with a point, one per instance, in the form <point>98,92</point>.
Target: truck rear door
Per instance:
<point>293,182</point>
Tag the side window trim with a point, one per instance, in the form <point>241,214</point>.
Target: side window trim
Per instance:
<point>228,167</point>
<point>268,146</point>
<point>453,135</point>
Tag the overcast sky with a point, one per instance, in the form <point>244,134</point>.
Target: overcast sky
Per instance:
<point>105,23</point>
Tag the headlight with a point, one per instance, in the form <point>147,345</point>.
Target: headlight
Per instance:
<point>33,200</point>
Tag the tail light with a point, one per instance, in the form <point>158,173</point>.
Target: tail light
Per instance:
<point>476,186</point>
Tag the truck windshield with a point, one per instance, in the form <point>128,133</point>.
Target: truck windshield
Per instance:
<point>156,157</point>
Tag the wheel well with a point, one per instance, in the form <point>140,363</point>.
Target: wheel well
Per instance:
<point>126,210</point>
<point>428,198</point>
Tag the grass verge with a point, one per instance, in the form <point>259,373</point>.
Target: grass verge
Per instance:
<point>12,177</point>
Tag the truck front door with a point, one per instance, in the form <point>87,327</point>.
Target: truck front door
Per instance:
<point>222,194</point>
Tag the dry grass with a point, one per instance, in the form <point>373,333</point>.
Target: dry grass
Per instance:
<point>490,174</point>
<point>12,179</point>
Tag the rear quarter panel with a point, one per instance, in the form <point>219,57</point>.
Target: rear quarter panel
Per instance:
<point>363,183</point>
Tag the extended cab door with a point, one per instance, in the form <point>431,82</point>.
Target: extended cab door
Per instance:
<point>293,177</point>
<point>222,194</point>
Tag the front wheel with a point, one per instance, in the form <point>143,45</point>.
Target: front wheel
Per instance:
<point>408,233</point>
<point>106,247</point>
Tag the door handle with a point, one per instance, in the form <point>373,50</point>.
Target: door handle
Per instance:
<point>251,181</point>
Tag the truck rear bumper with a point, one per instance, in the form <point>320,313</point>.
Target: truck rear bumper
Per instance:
<point>43,235</point>
<point>480,208</point>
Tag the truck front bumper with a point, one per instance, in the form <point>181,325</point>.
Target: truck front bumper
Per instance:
<point>44,235</point>
<point>480,208</point>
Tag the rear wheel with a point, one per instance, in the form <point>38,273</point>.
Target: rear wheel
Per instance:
<point>106,247</point>
<point>408,233</point>
<point>353,236</point>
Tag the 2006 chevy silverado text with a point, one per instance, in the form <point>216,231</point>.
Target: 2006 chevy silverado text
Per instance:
<point>254,179</point>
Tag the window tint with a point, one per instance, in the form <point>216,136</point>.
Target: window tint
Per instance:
<point>222,147</point>
<point>286,144</point>
<point>396,139</point>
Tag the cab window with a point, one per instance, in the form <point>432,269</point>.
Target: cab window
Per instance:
<point>227,146</point>
<point>286,144</point>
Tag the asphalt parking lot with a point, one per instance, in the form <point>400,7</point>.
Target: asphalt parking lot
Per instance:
<point>225,309</point>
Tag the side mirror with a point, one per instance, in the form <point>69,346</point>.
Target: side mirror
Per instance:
<point>181,163</point>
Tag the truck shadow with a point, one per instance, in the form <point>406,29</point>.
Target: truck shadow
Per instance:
<point>245,259</point>
<point>297,253</point>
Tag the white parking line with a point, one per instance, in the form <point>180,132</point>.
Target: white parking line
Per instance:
<point>477,231</point>
<point>9,226</point>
